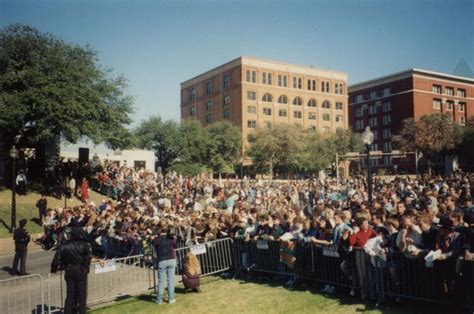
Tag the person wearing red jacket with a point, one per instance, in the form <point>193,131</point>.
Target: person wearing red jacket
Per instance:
<point>362,233</point>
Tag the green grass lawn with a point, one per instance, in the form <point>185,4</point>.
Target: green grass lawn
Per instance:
<point>26,209</point>
<point>236,296</point>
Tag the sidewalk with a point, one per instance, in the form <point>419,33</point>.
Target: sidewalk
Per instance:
<point>7,246</point>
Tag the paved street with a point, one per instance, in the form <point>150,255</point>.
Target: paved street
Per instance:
<point>37,262</point>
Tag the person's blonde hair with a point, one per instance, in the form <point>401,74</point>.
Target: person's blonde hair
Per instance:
<point>191,265</point>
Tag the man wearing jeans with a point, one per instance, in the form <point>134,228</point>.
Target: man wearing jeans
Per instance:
<point>165,244</point>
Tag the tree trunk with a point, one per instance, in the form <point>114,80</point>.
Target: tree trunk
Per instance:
<point>271,169</point>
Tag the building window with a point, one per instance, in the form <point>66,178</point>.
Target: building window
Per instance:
<point>449,91</point>
<point>282,113</point>
<point>226,81</point>
<point>386,106</point>
<point>324,87</point>
<point>338,105</point>
<point>312,103</point>
<point>339,88</point>
<point>312,85</point>
<point>192,111</point>
<point>227,100</point>
<point>462,120</point>
<point>359,98</point>
<point>312,128</point>
<point>386,92</point>
<point>267,111</point>
<point>208,88</point>
<point>326,105</point>
<point>387,160</point>
<point>326,130</point>
<point>282,99</point>
<point>387,147</point>
<point>462,107</point>
<point>373,94</point>
<point>359,124</point>
<point>339,119</point>
<point>208,105</point>
<point>374,147</point>
<point>251,95</point>
<point>251,124</point>
<point>376,135</point>
<point>372,109</point>
<point>282,80</point>
<point>373,122</point>
<point>209,118</point>
<point>311,115</point>
<point>267,78</point>
<point>450,105</point>
<point>437,104</point>
<point>267,97</point>
<point>226,114</point>
<point>297,114</point>
<point>297,82</point>
<point>192,94</point>
<point>267,124</point>
<point>359,112</point>
<point>251,109</point>
<point>298,101</point>
<point>386,119</point>
<point>436,89</point>
<point>326,117</point>
<point>387,133</point>
<point>461,93</point>
<point>251,76</point>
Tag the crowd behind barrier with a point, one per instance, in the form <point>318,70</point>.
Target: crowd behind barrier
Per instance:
<point>331,233</point>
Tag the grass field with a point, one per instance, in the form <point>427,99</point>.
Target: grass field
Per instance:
<point>26,209</point>
<point>235,296</point>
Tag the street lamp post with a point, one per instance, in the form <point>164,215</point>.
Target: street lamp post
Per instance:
<point>241,169</point>
<point>14,156</point>
<point>368,139</point>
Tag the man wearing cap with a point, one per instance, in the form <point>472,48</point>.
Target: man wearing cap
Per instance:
<point>21,238</point>
<point>74,256</point>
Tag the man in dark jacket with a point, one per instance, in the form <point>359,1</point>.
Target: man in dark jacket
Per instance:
<point>74,256</point>
<point>42,205</point>
<point>164,245</point>
<point>21,238</point>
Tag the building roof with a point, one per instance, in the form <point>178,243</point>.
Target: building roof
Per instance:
<point>408,73</point>
<point>259,62</point>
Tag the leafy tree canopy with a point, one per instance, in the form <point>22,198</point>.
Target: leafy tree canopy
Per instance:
<point>50,88</point>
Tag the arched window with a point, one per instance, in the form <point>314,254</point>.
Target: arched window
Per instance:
<point>282,99</point>
<point>326,104</point>
<point>298,101</point>
<point>267,97</point>
<point>312,103</point>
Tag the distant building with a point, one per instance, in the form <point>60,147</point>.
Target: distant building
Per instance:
<point>255,93</point>
<point>383,103</point>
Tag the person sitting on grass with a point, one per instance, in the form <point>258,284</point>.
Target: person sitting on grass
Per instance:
<point>192,271</point>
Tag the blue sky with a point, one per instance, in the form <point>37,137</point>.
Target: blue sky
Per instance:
<point>158,44</point>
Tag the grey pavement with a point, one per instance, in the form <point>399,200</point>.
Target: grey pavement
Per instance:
<point>37,262</point>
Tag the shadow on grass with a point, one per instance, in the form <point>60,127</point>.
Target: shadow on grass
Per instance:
<point>4,224</point>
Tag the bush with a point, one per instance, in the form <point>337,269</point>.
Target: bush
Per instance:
<point>188,169</point>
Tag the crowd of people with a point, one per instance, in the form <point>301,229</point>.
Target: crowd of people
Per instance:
<point>414,216</point>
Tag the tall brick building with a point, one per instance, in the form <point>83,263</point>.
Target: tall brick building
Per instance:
<point>253,93</point>
<point>383,103</point>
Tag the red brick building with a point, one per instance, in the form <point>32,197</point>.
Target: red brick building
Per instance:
<point>383,103</point>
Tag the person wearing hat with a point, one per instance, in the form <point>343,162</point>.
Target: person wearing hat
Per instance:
<point>21,238</point>
<point>74,256</point>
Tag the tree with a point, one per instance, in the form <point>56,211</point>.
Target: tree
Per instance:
<point>280,146</point>
<point>466,151</point>
<point>49,88</point>
<point>195,143</point>
<point>225,146</point>
<point>163,137</point>
<point>431,134</point>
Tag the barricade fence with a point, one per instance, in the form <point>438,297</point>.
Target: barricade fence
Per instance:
<point>448,281</point>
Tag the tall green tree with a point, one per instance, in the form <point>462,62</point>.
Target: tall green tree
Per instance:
<point>225,146</point>
<point>162,137</point>
<point>432,135</point>
<point>466,148</point>
<point>195,143</point>
<point>51,88</point>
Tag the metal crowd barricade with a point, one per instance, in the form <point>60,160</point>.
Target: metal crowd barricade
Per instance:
<point>214,256</point>
<point>22,295</point>
<point>121,277</point>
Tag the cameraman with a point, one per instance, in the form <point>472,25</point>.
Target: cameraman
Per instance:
<point>74,256</point>
<point>165,244</point>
